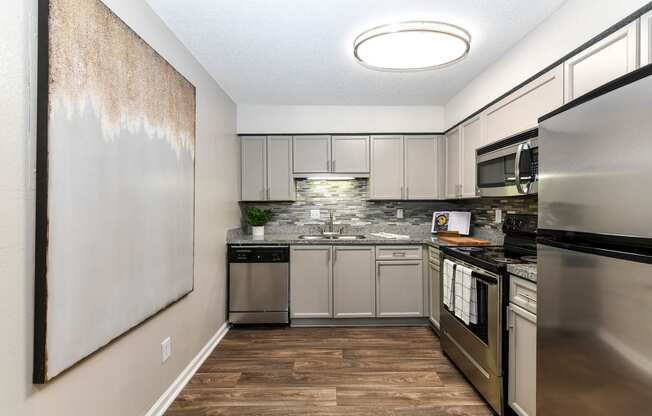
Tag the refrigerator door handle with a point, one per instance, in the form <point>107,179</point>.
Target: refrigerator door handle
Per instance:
<point>517,169</point>
<point>639,256</point>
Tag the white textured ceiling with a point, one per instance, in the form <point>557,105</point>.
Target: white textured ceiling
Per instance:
<point>299,52</point>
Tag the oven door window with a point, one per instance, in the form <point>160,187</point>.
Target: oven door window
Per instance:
<point>481,328</point>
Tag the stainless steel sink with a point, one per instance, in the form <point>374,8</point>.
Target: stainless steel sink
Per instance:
<point>331,237</point>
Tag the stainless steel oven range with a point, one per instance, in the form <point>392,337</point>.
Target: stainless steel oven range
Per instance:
<point>479,346</point>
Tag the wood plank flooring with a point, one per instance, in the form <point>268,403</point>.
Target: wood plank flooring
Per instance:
<point>328,372</point>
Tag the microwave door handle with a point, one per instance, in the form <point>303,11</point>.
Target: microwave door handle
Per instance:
<point>517,169</point>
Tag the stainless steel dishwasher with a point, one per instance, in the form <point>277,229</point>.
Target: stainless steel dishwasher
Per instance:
<point>259,282</point>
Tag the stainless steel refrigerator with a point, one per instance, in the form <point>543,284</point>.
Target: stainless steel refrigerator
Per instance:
<point>594,315</point>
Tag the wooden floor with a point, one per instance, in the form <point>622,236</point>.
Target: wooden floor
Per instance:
<point>328,371</point>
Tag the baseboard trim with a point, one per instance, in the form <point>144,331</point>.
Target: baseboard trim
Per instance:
<point>162,404</point>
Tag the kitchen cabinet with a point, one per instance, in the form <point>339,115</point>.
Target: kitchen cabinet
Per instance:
<point>453,159</point>
<point>399,288</point>
<point>421,167</point>
<point>522,361</point>
<point>609,58</point>
<point>434,277</point>
<point>350,154</point>
<point>520,110</point>
<point>311,290</point>
<point>646,38</point>
<point>253,164</point>
<point>386,167</point>
<point>472,139</point>
<point>280,184</point>
<point>312,154</point>
<point>266,168</point>
<point>354,283</point>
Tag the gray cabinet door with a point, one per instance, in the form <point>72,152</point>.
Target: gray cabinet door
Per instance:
<point>312,154</point>
<point>453,158</point>
<point>354,283</point>
<point>386,167</point>
<point>522,397</point>
<point>472,139</point>
<point>399,289</point>
<point>311,289</point>
<point>350,154</point>
<point>421,167</point>
<point>646,39</point>
<point>254,168</point>
<point>280,184</point>
<point>435,293</point>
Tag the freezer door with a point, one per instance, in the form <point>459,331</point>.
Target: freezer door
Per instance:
<point>595,160</point>
<point>594,334</point>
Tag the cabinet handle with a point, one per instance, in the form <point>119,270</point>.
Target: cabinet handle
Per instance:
<point>268,193</point>
<point>262,194</point>
<point>334,255</point>
<point>528,298</point>
<point>407,192</point>
<point>328,256</point>
<point>333,165</point>
<point>401,192</point>
<point>398,254</point>
<point>328,166</point>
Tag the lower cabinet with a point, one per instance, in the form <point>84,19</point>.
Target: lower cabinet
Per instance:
<point>522,397</point>
<point>354,283</point>
<point>311,289</point>
<point>399,288</point>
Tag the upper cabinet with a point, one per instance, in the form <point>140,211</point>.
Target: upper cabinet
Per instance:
<point>421,167</point>
<point>386,167</point>
<point>646,39</point>
<point>266,168</point>
<point>472,139</point>
<point>453,161</point>
<point>253,151</point>
<point>312,154</point>
<point>350,154</point>
<point>521,110</point>
<point>611,57</point>
<point>280,184</point>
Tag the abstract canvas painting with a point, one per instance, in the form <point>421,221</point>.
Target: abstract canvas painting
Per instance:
<point>115,183</point>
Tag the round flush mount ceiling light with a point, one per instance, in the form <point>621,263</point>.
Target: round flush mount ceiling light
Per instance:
<point>411,46</point>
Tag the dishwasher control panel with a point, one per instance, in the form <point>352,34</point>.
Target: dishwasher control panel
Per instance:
<point>259,254</point>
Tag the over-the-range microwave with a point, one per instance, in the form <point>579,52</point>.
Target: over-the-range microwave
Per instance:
<point>509,167</point>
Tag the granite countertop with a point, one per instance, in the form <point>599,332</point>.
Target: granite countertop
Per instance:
<point>526,271</point>
<point>240,238</point>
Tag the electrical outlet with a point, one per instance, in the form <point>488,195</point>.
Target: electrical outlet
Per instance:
<point>399,213</point>
<point>314,214</point>
<point>499,216</point>
<point>166,349</point>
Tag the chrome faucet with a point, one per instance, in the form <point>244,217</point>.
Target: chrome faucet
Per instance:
<point>331,225</point>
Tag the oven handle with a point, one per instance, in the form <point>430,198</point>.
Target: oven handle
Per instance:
<point>485,278</point>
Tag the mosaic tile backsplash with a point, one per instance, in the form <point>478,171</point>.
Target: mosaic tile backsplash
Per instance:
<point>348,201</point>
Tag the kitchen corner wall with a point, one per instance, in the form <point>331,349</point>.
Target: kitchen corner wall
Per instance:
<point>348,200</point>
<point>126,377</point>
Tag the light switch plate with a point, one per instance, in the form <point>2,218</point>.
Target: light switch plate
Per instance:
<point>314,214</point>
<point>399,213</point>
<point>499,216</point>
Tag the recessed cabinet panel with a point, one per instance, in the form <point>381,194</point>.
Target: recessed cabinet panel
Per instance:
<point>435,290</point>
<point>521,110</point>
<point>312,154</point>
<point>646,39</point>
<point>472,139</point>
<point>613,56</point>
<point>280,185</point>
<point>311,292</point>
<point>254,168</point>
<point>354,283</point>
<point>453,159</point>
<point>399,289</point>
<point>421,165</point>
<point>386,167</point>
<point>350,154</point>
<point>522,395</point>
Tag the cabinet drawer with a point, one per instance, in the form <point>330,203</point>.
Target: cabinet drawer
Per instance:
<point>398,253</point>
<point>433,255</point>
<point>523,294</point>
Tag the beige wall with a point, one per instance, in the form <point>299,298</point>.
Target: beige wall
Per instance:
<point>127,377</point>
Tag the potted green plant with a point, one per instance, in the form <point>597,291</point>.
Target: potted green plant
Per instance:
<point>257,218</point>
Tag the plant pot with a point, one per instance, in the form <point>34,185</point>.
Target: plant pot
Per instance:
<point>258,231</point>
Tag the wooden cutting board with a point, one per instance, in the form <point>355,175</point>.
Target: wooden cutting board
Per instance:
<point>463,241</point>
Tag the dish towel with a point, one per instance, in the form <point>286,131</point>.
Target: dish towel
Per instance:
<point>466,306</point>
<point>449,281</point>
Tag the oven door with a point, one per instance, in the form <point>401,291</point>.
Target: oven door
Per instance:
<point>510,170</point>
<point>477,348</point>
